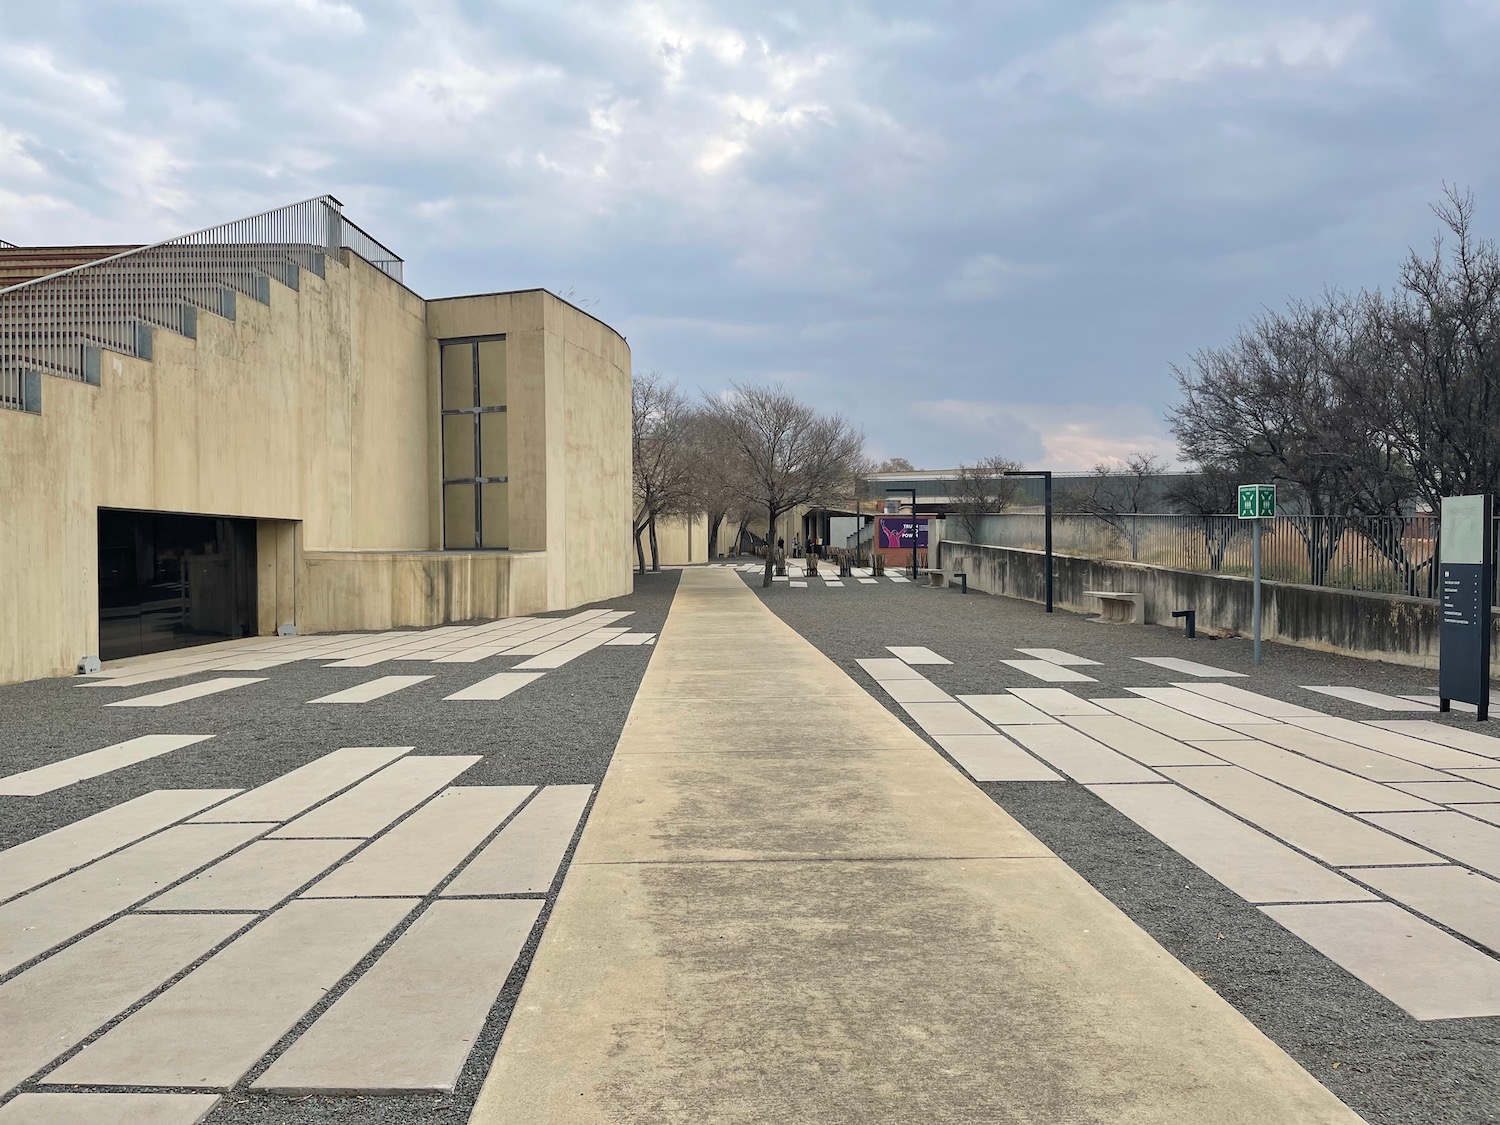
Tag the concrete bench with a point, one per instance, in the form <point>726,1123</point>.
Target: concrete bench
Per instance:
<point>1117,608</point>
<point>937,577</point>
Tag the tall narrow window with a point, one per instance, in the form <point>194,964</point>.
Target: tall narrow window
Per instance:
<point>476,471</point>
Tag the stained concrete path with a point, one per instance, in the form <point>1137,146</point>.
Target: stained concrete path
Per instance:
<point>787,907</point>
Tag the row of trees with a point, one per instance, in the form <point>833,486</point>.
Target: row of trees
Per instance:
<point>753,451</point>
<point>1359,404</point>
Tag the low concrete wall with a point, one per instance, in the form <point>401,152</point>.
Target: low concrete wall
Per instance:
<point>1379,626</point>
<point>339,590</point>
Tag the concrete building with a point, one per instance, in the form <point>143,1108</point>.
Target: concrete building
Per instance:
<point>259,426</point>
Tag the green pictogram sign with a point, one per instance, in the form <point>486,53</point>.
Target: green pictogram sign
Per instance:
<point>1257,501</point>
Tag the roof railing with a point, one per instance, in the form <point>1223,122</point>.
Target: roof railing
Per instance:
<point>59,324</point>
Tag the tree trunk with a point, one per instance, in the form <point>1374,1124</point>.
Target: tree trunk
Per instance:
<point>739,537</point>
<point>765,582</point>
<point>655,554</point>
<point>713,534</point>
<point>640,552</point>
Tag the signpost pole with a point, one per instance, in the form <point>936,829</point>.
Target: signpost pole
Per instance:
<point>1255,611</point>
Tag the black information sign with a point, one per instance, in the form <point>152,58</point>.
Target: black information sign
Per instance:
<point>1466,580</point>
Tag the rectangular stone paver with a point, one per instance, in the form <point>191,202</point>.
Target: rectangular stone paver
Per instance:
<point>410,1021</point>
<point>305,786</point>
<point>187,691</point>
<point>525,857</point>
<point>59,1002</point>
<point>212,1026</point>
<point>497,686</point>
<point>1463,901</point>
<point>1165,720</point>
<point>1415,965</point>
<point>890,669</point>
<point>1452,834</point>
<point>69,771</point>
<point>1201,706</point>
<point>108,1109</point>
<point>1389,742</point>
<point>1454,737</point>
<point>1006,710</point>
<point>916,654</point>
<point>572,650</point>
<point>1376,699</point>
<point>1470,792</point>
<point>993,757</point>
<point>1248,862</point>
<point>1361,760</point>
<point>42,918</point>
<point>255,878</point>
<point>377,801</point>
<point>1248,700</point>
<point>946,718</point>
<point>1190,667</point>
<point>919,690</point>
<point>47,856</point>
<point>1078,755</point>
<point>1058,656</point>
<point>372,689</point>
<point>1149,747</point>
<point>1314,779</point>
<point>1334,837</point>
<point>1051,673</point>
<point>416,855</point>
<point>1057,702</point>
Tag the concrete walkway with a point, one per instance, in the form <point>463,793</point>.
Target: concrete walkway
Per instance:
<point>787,908</point>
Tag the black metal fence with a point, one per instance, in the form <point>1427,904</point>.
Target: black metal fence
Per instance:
<point>1381,554</point>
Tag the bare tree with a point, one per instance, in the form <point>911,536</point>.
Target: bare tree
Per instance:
<point>1211,494</point>
<point>780,453</point>
<point>895,465</point>
<point>1117,495</point>
<point>983,489</point>
<point>663,455</point>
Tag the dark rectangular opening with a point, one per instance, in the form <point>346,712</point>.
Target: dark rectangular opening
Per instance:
<point>169,581</point>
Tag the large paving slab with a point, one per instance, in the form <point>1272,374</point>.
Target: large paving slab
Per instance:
<point>415,856</point>
<point>409,1022</point>
<point>44,857</point>
<point>1314,779</point>
<point>213,1025</point>
<point>1149,747</point>
<point>993,757</point>
<point>1391,742</point>
<point>1370,764</point>
<point>1010,710</point>
<point>525,857</point>
<point>1165,720</point>
<point>305,786</point>
<point>1463,901</point>
<point>1455,737</point>
<point>1450,833</point>
<point>108,1109</point>
<point>379,800</point>
<point>1432,975</point>
<point>1201,706</point>
<point>59,1002</point>
<point>65,908</point>
<point>677,988</point>
<point>1077,755</point>
<point>256,877</point>
<point>1248,862</point>
<point>1248,700</point>
<point>372,689</point>
<point>70,771</point>
<point>187,691</point>
<point>1334,837</point>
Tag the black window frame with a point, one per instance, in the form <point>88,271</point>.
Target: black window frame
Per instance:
<point>477,480</point>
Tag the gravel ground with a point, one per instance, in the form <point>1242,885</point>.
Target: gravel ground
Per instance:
<point>1387,1066</point>
<point>558,730</point>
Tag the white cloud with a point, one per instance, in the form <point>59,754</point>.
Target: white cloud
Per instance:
<point>1140,49</point>
<point>1047,436</point>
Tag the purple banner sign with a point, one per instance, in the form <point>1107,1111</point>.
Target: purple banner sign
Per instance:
<point>898,532</point>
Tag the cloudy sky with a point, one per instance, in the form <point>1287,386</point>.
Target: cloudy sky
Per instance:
<point>973,227</point>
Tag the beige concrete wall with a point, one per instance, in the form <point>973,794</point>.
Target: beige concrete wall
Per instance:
<point>568,391</point>
<point>340,590</point>
<point>318,416</point>
<point>681,540</point>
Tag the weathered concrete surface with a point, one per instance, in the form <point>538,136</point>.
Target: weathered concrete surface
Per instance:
<point>837,927</point>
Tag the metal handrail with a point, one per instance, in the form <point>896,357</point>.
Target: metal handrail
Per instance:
<point>8,245</point>
<point>59,324</point>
